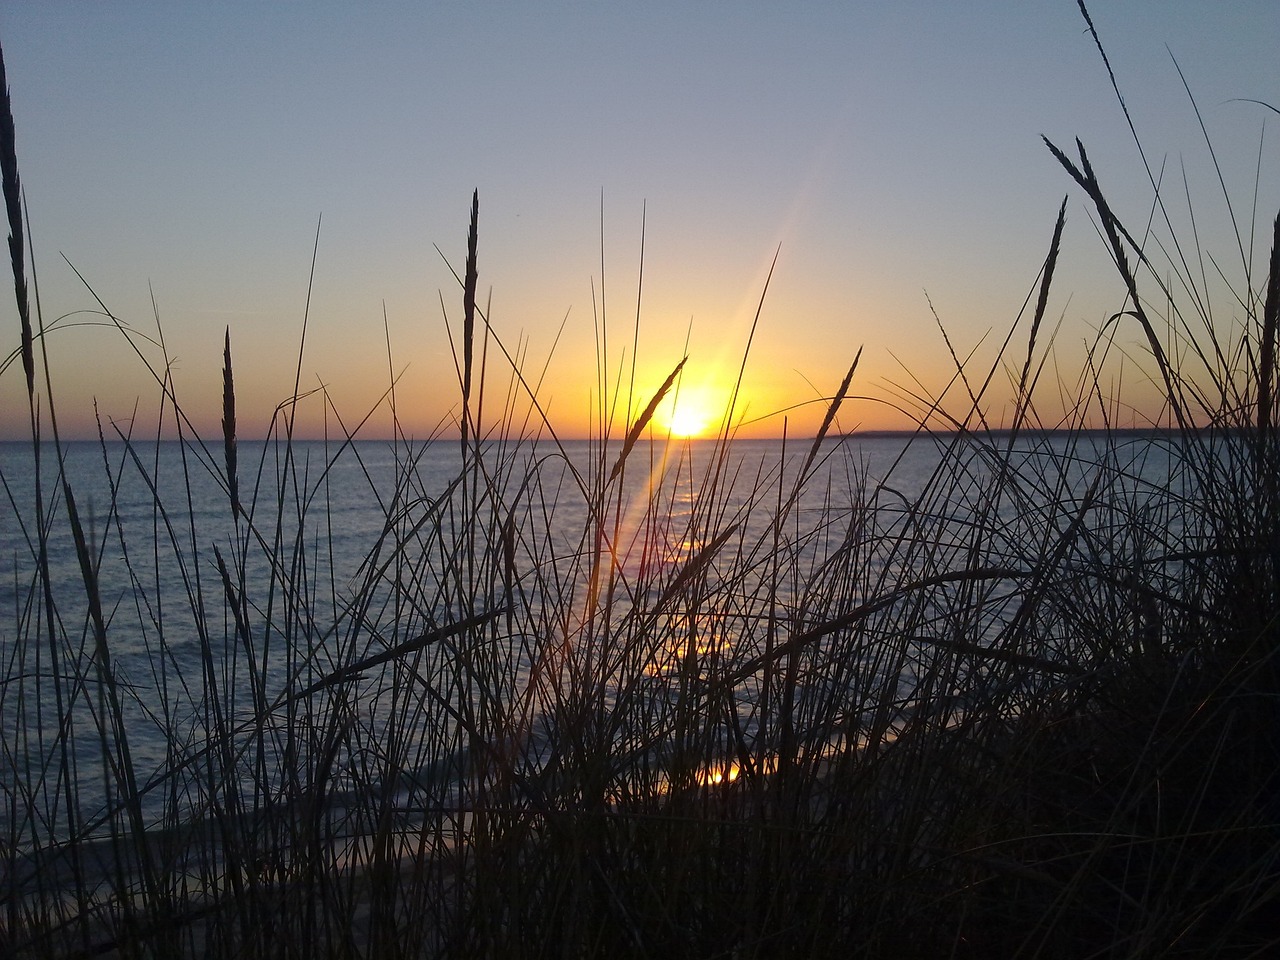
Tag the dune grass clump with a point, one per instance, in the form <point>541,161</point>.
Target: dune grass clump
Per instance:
<point>1014,694</point>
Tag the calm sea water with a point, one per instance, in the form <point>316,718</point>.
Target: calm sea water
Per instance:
<point>156,518</point>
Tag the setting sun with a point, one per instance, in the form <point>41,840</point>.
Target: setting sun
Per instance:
<point>693,411</point>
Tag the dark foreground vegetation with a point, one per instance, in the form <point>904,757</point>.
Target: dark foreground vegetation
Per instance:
<point>1028,709</point>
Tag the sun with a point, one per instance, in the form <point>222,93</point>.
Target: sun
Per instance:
<point>684,422</point>
<point>692,412</point>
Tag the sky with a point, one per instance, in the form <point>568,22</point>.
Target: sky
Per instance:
<point>181,162</point>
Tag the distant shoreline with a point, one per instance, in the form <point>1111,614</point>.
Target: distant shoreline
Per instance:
<point>1022,432</point>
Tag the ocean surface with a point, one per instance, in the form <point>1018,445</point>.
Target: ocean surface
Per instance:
<point>174,599</point>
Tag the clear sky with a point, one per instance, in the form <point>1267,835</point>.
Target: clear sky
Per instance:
<point>187,151</point>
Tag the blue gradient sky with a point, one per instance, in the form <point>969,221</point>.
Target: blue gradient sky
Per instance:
<point>187,150</point>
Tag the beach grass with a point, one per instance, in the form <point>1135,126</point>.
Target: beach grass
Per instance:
<point>658,699</point>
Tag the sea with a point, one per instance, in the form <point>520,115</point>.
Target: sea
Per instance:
<point>161,578</point>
